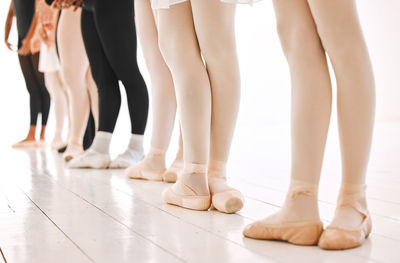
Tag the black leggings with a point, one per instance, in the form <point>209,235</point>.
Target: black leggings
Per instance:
<point>109,33</point>
<point>24,11</point>
<point>39,96</point>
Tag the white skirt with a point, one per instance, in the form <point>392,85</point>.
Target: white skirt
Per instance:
<point>48,60</point>
<point>161,4</point>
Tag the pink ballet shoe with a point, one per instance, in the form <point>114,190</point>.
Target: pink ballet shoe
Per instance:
<point>187,198</point>
<point>299,233</point>
<point>337,238</point>
<point>171,175</point>
<point>279,227</point>
<point>143,171</point>
<point>225,198</point>
<point>229,202</point>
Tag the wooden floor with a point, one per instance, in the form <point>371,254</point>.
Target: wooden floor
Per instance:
<point>51,214</point>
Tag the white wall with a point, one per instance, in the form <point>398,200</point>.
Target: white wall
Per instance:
<point>266,84</point>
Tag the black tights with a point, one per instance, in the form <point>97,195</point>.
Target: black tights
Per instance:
<point>34,79</point>
<point>109,33</point>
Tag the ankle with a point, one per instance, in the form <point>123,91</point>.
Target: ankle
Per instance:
<point>156,158</point>
<point>136,142</point>
<point>301,203</point>
<point>217,169</point>
<point>101,142</point>
<point>195,177</point>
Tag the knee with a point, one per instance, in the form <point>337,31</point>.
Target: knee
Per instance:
<point>71,77</point>
<point>178,55</point>
<point>342,42</point>
<point>167,49</point>
<point>297,36</point>
<point>218,50</point>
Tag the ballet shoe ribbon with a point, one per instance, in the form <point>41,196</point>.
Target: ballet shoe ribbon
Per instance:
<point>194,168</point>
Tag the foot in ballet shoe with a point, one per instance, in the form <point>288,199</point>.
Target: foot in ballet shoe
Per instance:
<point>90,159</point>
<point>186,197</point>
<point>225,198</point>
<point>297,222</point>
<point>339,235</point>
<point>144,171</point>
<point>151,168</point>
<point>72,151</point>
<point>128,158</point>
<point>191,190</point>
<point>25,144</point>
<point>298,233</point>
<point>171,175</point>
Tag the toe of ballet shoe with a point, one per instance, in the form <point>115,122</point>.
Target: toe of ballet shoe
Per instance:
<point>229,202</point>
<point>334,238</point>
<point>304,234</point>
<point>134,172</point>
<point>170,176</point>
<point>119,164</point>
<point>79,163</point>
<point>193,202</point>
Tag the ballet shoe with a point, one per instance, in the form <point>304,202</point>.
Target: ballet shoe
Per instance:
<point>338,238</point>
<point>72,152</point>
<point>25,144</point>
<point>90,159</point>
<point>224,198</point>
<point>144,171</point>
<point>171,175</point>
<point>229,202</point>
<point>127,159</point>
<point>297,233</point>
<point>289,224</point>
<point>188,199</point>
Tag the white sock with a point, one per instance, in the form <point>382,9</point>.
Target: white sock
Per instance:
<point>132,155</point>
<point>136,142</point>
<point>101,142</point>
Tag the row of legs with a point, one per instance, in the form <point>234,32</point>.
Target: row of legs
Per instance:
<point>208,98</point>
<point>72,89</point>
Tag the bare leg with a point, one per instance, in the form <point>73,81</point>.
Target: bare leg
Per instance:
<point>356,109</point>
<point>163,97</point>
<point>213,18</point>
<point>74,65</point>
<point>311,109</point>
<point>356,100</point>
<point>58,97</point>
<point>193,91</point>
